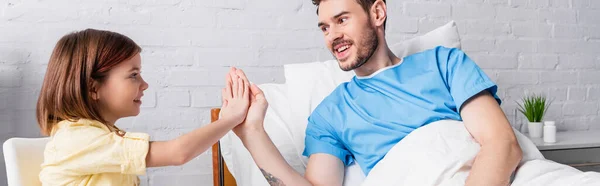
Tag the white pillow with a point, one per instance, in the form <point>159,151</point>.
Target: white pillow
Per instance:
<point>446,35</point>
<point>290,104</point>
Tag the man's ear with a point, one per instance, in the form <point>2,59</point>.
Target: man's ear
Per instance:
<point>378,13</point>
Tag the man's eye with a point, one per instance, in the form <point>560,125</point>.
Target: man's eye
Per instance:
<point>343,20</point>
<point>324,28</point>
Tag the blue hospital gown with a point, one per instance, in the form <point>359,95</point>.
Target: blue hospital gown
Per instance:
<point>361,120</point>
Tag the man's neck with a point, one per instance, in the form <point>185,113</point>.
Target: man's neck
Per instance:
<point>383,57</point>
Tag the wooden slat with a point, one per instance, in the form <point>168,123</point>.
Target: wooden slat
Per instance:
<point>221,174</point>
<point>215,164</point>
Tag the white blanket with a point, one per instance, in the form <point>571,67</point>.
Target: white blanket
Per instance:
<point>442,153</point>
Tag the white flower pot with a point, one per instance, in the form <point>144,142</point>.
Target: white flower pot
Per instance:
<point>535,129</point>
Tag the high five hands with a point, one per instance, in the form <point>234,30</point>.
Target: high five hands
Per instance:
<point>243,102</point>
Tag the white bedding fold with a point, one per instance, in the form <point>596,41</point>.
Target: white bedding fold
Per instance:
<point>442,153</point>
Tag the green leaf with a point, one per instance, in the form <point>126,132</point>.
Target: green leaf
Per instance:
<point>534,107</point>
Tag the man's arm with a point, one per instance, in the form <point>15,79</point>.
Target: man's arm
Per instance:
<point>322,169</point>
<point>500,152</point>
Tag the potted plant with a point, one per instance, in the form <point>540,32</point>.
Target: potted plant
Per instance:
<point>534,107</point>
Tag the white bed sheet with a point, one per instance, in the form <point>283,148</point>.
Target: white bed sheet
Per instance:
<point>442,153</point>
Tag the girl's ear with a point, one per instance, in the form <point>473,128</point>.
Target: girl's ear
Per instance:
<point>94,85</point>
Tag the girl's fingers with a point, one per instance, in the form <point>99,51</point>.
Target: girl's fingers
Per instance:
<point>235,87</point>
<point>242,75</point>
<point>228,78</point>
<point>246,90</point>
<point>228,92</point>
<point>245,80</point>
<point>227,95</point>
<point>223,96</point>
<point>240,87</point>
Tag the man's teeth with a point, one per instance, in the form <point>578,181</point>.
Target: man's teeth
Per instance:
<point>341,49</point>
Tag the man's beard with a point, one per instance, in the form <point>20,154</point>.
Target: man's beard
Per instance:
<point>365,49</point>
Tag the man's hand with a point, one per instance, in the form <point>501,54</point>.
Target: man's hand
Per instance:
<point>269,160</point>
<point>256,112</point>
<point>236,98</point>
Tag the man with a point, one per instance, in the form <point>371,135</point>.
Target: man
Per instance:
<point>388,98</point>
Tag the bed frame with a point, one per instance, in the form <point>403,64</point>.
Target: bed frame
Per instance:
<point>221,174</point>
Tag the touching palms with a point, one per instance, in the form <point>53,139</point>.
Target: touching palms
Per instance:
<point>258,105</point>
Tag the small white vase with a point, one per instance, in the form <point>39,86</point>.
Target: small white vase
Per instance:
<point>535,129</point>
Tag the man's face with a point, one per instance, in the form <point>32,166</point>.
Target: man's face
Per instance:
<point>348,31</point>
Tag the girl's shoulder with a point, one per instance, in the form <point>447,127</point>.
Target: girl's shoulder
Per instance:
<point>78,132</point>
<point>80,125</point>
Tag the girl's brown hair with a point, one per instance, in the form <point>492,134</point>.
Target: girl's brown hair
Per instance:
<point>79,60</point>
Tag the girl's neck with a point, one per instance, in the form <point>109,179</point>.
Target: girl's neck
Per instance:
<point>109,120</point>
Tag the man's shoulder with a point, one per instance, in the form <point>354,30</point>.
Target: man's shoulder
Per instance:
<point>332,102</point>
<point>435,51</point>
<point>438,57</point>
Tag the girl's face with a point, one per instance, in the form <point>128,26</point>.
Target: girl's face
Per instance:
<point>121,93</point>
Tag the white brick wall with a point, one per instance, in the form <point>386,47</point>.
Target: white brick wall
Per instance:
<point>542,46</point>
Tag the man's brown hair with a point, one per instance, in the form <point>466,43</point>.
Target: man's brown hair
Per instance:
<point>365,4</point>
<point>79,59</point>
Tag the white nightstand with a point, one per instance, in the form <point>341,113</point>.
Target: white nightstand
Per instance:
<point>580,149</point>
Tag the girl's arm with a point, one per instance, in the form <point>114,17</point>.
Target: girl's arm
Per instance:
<point>236,100</point>
<point>184,148</point>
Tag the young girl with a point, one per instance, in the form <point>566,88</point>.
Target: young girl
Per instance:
<point>92,80</point>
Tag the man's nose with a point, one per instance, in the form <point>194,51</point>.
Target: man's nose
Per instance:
<point>334,34</point>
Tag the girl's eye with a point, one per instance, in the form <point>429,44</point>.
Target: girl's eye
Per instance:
<point>134,75</point>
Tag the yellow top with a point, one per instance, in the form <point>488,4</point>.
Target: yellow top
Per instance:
<point>87,152</point>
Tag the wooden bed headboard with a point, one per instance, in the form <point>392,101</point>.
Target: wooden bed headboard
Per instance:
<point>221,174</point>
